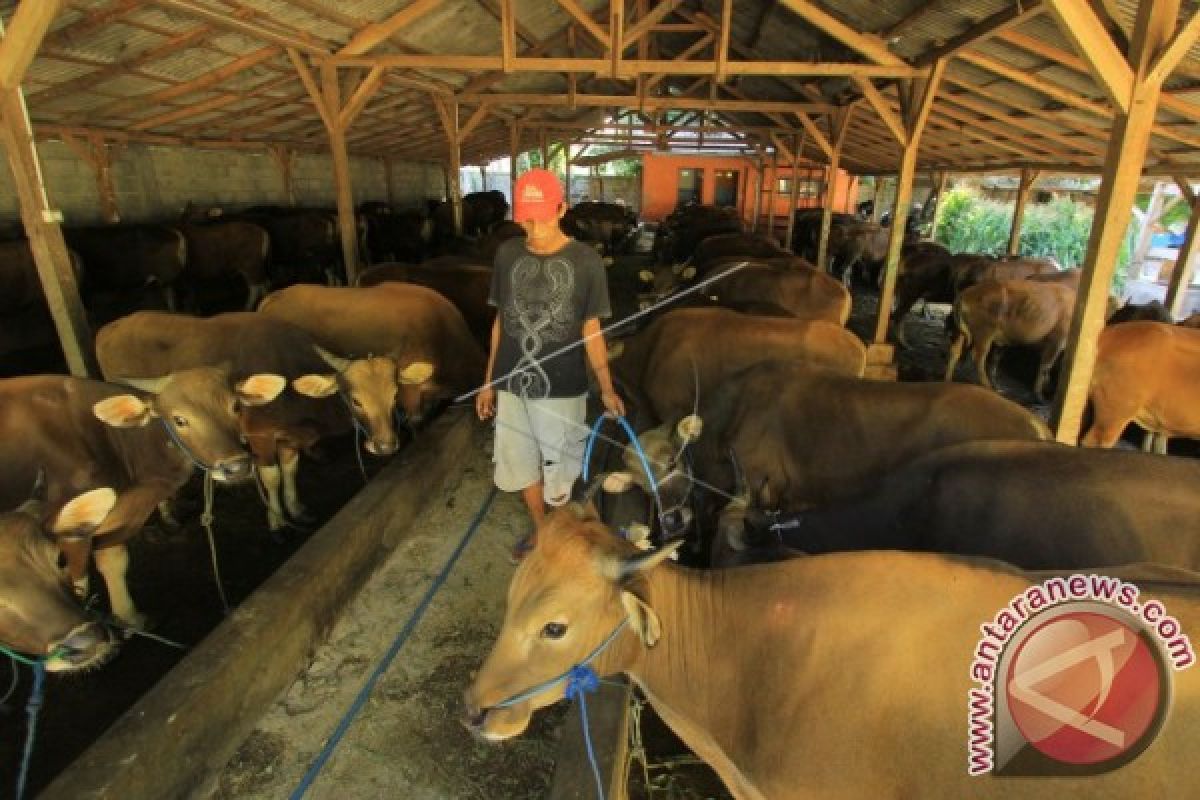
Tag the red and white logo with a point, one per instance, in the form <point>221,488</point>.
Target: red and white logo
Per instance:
<point>532,194</point>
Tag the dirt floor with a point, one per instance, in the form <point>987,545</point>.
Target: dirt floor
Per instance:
<point>407,740</point>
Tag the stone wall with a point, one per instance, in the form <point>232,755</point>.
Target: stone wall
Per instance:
<point>155,182</point>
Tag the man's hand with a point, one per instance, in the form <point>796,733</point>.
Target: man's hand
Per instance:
<point>612,403</point>
<point>485,403</point>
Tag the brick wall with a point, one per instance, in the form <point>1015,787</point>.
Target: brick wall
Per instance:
<point>155,182</point>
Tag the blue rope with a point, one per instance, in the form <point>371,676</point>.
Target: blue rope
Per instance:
<point>581,680</point>
<point>637,447</point>
<point>364,694</point>
<point>32,708</point>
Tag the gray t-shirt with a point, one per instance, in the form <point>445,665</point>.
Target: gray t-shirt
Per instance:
<point>542,302</point>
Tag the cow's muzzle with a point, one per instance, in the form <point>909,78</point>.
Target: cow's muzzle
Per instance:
<point>494,724</point>
<point>233,469</point>
<point>88,646</point>
<point>381,447</point>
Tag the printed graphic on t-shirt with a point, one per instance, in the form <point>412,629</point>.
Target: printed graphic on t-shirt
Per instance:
<point>539,317</point>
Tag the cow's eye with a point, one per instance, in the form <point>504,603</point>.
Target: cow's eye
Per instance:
<point>179,421</point>
<point>237,406</point>
<point>554,630</point>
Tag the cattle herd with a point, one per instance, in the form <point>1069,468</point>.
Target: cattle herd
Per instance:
<point>765,441</point>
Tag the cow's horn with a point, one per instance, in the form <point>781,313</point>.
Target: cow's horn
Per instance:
<point>632,565</point>
<point>337,362</point>
<point>151,385</point>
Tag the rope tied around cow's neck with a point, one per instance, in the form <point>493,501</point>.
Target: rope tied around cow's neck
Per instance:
<point>33,706</point>
<point>206,519</point>
<point>581,681</point>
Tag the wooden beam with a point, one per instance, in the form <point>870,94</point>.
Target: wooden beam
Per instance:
<point>890,120</point>
<point>1185,189</point>
<point>868,45</point>
<point>840,128</point>
<point>1185,265</point>
<point>756,204</point>
<point>1109,66</point>
<point>347,224</point>
<point>508,35</point>
<point>816,134</point>
<point>472,122</point>
<point>93,150</point>
<point>223,19</point>
<point>938,205</point>
<point>1173,53</point>
<point>651,103</point>
<point>585,21</point>
<point>772,193</point>
<point>1122,172</point>
<point>314,91</point>
<point>45,236</point>
<point>723,41</point>
<point>284,158</point>
<point>26,29</point>
<point>644,25</point>
<point>616,26</point>
<point>985,29</point>
<point>1024,187</point>
<point>362,95</point>
<point>1036,82</point>
<point>378,32</point>
<point>793,197</point>
<point>211,104</point>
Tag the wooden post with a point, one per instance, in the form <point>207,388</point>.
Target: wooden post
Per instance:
<point>1028,178</point>
<point>543,148</point>
<point>45,236</point>
<point>759,166</point>
<point>514,143</point>
<point>567,160</point>
<point>455,171</point>
<point>914,123</point>
<point>938,205</point>
<point>483,177</point>
<point>791,218</point>
<point>1141,249</point>
<point>1185,265</point>
<point>95,153</point>
<point>387,176</point>
<point>877,200</point>
<point>771,194</point>
<point>841,126</point>
<point>347,225</point>
<point>284,158</point>
<point>1123,163</point>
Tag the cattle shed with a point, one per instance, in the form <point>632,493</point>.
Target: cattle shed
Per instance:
<point>129,110</point>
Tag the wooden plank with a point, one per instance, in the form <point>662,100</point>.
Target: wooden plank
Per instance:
<point>634,33</point>
<point>585,21</point>
<point>45,236</point>
<point>472,122</point>
<point>362,95</point>
<point>867,44</point>
<point>840,129</point>
<point>795,194</point>
<point>1176,51</point>
<point>284,158</point>
<point>1003,20</point>
<point>651,103</point>
<point>508,37</point>
<point>158,120</point>
<point>938,205</point>
<point>377,32</point>
<point>1024,187</point>
<point>314,91</point>
<point>1185,188</point>
<point>816,134</point>
<point>616,24</point>
<point>771,195</point>
<point>756,206</point>
<point>723,41</point>
<point>26,29</point>
<point>178,737</point>
<point>1079,23</point>
<point>890,120</point>
<point>347,223</point>
<point>1122,172</point>
<point>608,718</point>
<point>1036,82</point>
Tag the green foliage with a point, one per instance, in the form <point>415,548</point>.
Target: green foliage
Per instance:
<point>1058,229</point>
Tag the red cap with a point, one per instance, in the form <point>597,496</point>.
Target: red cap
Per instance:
<point>537,197</point>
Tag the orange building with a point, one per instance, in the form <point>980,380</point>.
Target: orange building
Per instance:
<point>670,180</point>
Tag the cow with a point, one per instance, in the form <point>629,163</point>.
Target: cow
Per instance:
<point>222,252</point>
<point>733,246</point>
<point>480,211</point>
<point>1148,373</point>
<point>83,434</point>
<point>124,260</point>
<point>1037,505</point>
<point>969,270</point>
<point>690,352</point>
<point>485,249</point>
<point>606,224</point>
<point>760,670</point>
<point>364,390</point>
<point>681,232</point>
<point>304,243</point>
<point>395,234</point>
<point>466,285</point>
<point>406,323</point>
<point>1017,312</point>
<point>807,437</point>
<point>19,277</point>
<point>39,614</point>
<point>1152,311</point>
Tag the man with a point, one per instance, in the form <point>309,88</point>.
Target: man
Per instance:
<point>550,293</point>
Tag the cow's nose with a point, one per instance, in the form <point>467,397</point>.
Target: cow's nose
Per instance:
<point>231,469</point>
<point>81,642</point>
<point>473,716</point>
<point>382,447</point>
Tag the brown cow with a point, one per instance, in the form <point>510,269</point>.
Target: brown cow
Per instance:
<point>156,343</point>
<point>39,614</point>
<point>223,250</point>
<point>658,362</point>
<point>1148,373</point>
<point>774,674</point>
<point>1018,312</point>
<point>465,284</point>
<point>67,429</point>
<point>406,323</point>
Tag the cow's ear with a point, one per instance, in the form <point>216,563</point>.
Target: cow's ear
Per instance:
<point>123,411</point>
<point>617,482</point>
<point>151,385</point>
<point>642,618</point>
<point>616,350</point>
<point>316,385</point>
<point>260,389</point>
<point>646,276</point>
<point>688,273</point>
<point>416,373</point>
<point>84,513</point>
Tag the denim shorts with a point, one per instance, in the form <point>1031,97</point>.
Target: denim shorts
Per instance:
<point>540,440</point>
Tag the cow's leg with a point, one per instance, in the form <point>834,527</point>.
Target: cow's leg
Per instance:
<point>980,351</point>
<point>1160,443</point>
<point>271,480</point>
<point>1050,354</point>
<point>254,293</point>
<point>167,515</point>
<point>113,562</point>
<point>170,299</point>
<point>956,351</point>
<point>289,464</point>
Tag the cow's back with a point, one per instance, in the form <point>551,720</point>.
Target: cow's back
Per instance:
<point>1150,372</point>
<point>801,290</point>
